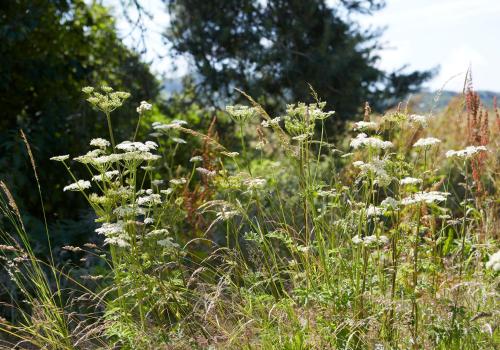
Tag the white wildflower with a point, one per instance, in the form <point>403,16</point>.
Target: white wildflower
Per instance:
<point>80,185</point>
<point>363,140</point>
<point>143,107</point>
<point>108,175</point>
<point>118,241</point>
<point>357,240</point>
<point>427,197</point>
<point>90,156</point>
<point>240,113</point>
<point>362,125</point>
<point>60,158</point>
<point>174,124</point>
<point>410,181</point>
<point>179,181</point>
<point>129,146</point>
<point>157,233</point>
<point>149,200</point>
<point>109,229</point>
<point>230,154</point>
<point>370,240</point>
<point>206,172</point>
<point>426,142</point>
<point>468,152</point>
<point>494,262</point>
<point>418,119</point>
<point>255,183</point>
<point>99,142</point>
<point>389,202</point>
<point>157,182</point>
<point>167,191</point>
<point>149,221</point>
<point>196,159</point>
<point>272,122</point>
<point>329,193</point>
<point>374,211</point>
<point>376,167</point>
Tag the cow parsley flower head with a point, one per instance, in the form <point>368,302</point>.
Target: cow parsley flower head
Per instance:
<point>108,175</point>
<point>100,143</point>
<point>468,152</point>
<point>129,146</point>
<point>389,202</point>
<point>80,185</point>
<point>60,158</point>
<point>255,183</point>
<point>426,197</point>
<point>240,113</point>
<point>206,172</point>
<point>410,181</point>
<point>363,140</point>
<point>374,211</point>
<point>372,240</point>
<point>174,124</point>
<point>427,142</point>
<point>196,159</point>
<point>230,154</point>
<point>418,119</point>
<point>143,107</point>
<point>177,182</point>
<point>362,125</point>
<point>494,262</point>
<point>377,168</point>
<point>149,200</point>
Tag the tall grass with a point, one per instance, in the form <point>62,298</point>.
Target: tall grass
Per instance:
<point>385,240</point>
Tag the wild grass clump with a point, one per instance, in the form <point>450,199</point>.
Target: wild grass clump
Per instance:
<point>386,240</point>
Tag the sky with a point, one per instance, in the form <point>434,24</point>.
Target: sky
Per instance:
<point>422,34</point>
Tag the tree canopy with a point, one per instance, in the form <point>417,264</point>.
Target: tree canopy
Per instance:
<point>274,49</point>
<point>50,50</point>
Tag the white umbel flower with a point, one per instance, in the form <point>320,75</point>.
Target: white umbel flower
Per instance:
<point>468,152</point>
<point>105,176</point>
<point>129,146</point>
<point>60,158</point>
<point>427,197</point>
<point>99,142</point>
<point>80,185</point>
<point>418,119</point>
<point>374,211</point>
<point>196,159</point>
<point>494,262</point>
<point>372,240</point>
<point>426,142</point>
<point>362,125</point>
<point>363,140</point>
<point>206,172</point>
<point>389,202</point>
<point>410,181</point>
<point>143,107</point>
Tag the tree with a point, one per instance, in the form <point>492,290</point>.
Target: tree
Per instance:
<point>50,50</point>
<point>274,49</point>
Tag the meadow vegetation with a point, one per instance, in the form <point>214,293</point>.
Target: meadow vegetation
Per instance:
<point>386,238</point>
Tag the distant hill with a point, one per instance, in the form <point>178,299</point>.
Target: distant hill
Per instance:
<point>426,100</point>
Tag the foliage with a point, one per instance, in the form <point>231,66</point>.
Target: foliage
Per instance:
<point>50,48</point>
<point>383,241</point>
<point>278,49</point>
